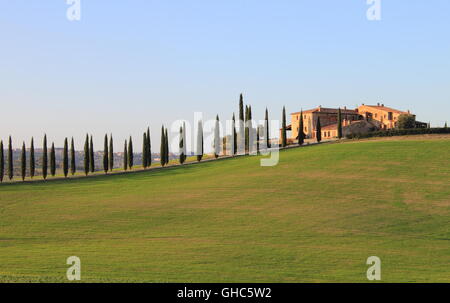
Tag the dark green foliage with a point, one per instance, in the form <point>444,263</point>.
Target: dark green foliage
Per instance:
<point>241,108</point>
<point>283,129</point>
<point>257,140</point>
<point>32,159</point>
<point>144,151</point>
<point>319,130</point>
<point>44,158</point>
<point>105,155</point>
<point>111,153</point>
<point>149,148</point>
<point>73,167</point>
<point>52,160</point>
<point>10,160</point>
<point>125,156</point>
<point>234,143</point>
<point>66,158</point>
<point>267,127</point>
<point>23,160</point>
<point>91,156</point>
<point>401,132</point>
<point>301,134</point>
<point>406,121</point>
<point>200,141</point>
<point>2,162</point>
<point>166,137</point>
<point>182,154</point>
<point>130,154</point>
<point>162,151</point>
<point>339,124</point>
<point>86,155</point>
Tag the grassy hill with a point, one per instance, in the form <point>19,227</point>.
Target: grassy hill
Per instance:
<point>315,217</point>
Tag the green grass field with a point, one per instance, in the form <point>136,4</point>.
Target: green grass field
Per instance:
<point>315,217</point>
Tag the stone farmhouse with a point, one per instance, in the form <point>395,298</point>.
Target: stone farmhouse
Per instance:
<point>365,118</point>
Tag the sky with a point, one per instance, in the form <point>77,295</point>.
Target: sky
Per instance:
<point>126,65</point>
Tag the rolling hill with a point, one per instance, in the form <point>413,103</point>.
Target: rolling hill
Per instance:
<point>315,217</point>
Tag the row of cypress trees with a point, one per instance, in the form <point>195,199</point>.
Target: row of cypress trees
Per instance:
<point>69,156</point>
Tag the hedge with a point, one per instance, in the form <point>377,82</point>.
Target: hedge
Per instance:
<point>401,132</point>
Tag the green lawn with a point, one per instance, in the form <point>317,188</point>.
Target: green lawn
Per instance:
<point>315,217</point>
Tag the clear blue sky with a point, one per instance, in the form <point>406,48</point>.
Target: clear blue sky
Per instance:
<point>129,64</point>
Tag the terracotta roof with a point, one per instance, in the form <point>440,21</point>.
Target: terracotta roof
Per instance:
<point>385,108</point>
<point>327,110</point>
<point>330,127</point>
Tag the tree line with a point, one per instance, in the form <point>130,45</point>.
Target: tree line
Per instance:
<point>69,155</point>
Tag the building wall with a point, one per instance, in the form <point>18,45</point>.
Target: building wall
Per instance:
<point>310,120</point>
<point>387,117</point>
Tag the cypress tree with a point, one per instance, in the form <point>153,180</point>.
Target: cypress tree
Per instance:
<point>73,167</point>
<point>162,152</point>
<point>130,154</point>
<point>2,162</point>
<point>319,130</point>
<point>240,145</point>
<point>52,160</point>
<point>339,124</point>
<point>182,155</point>
<point>166,149</point>
<point>149,148</point>
<point>10,160</point>
<point>23,160</point>
<point>66,158</point>
<point>267,134</point>
<point>111,153</point>
<point>91,156</point>
<point>125,156</point>
<point>86,155</point>
<point>234,135</point>
<point>249,128</point>
<point>44,158</point>
<point>144,151</point>
<point>257,139</point>
<point>200,141</point>
<point>283,129</point>
<point>217,138</point>
<point>241,108</point>
<point>32,159</point>
<point>105,155</point>
<point>301,134</point>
